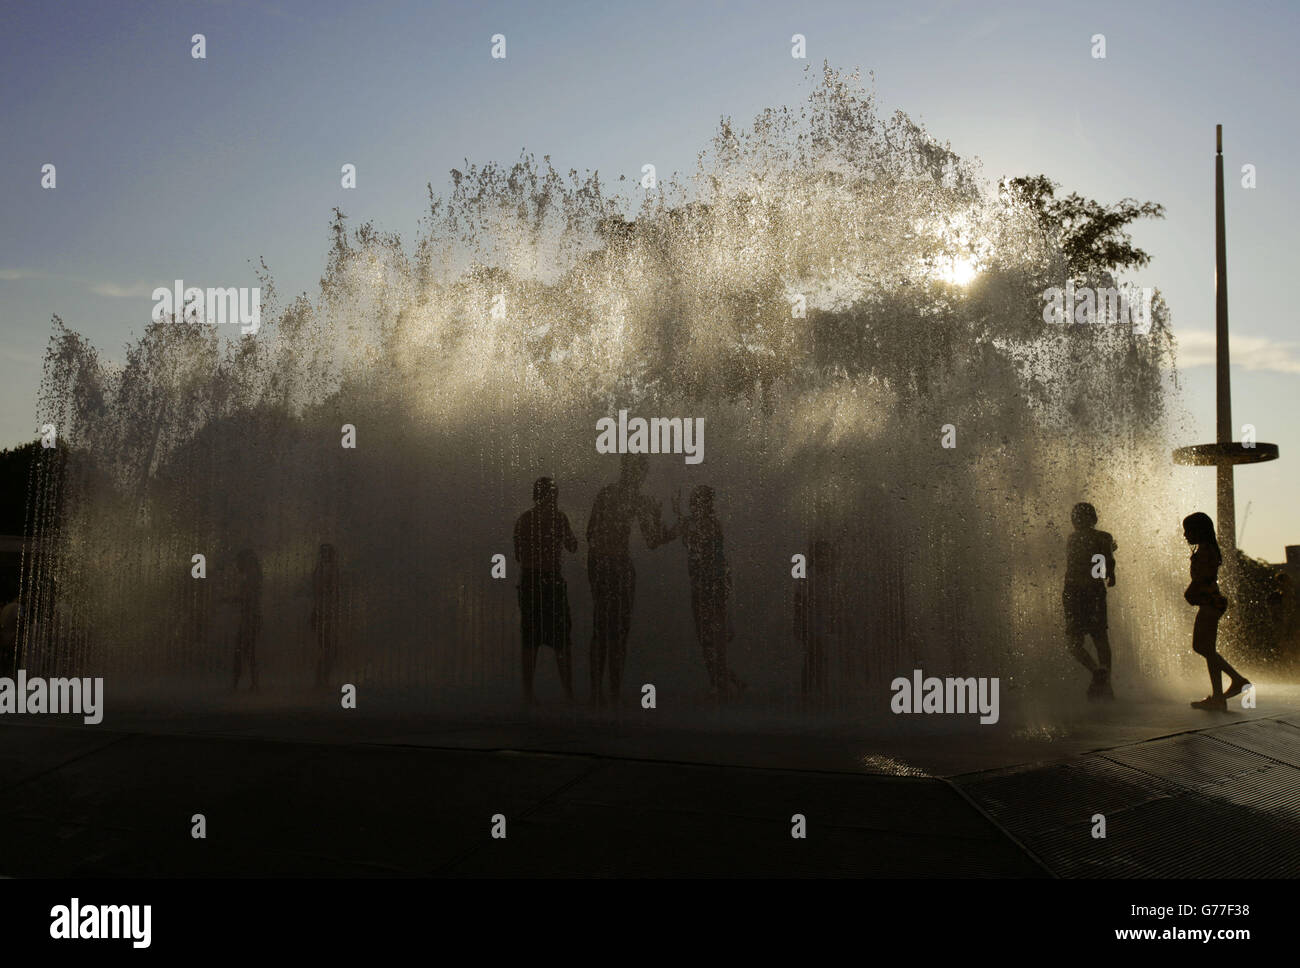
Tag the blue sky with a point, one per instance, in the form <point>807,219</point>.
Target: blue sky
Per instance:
<point>173,167</point>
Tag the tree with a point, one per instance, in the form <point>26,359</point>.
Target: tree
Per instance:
<point>1092,235</point>
<point>16,468</point>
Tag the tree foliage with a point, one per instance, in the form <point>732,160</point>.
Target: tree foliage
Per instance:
<point>1092,236</point>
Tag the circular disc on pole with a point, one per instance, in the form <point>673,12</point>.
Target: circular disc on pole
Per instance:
<point>1218,454</point>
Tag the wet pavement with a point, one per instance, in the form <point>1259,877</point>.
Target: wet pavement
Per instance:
<point>302,790</point>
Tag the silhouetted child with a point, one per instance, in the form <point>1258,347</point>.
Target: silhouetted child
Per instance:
<point>325,613</point>
<point>249,599</point>
<point>1089,569</point>
<point>542,535</point>
<point>816,618</point>
<point>710,575</point>
<point>1203,593</point>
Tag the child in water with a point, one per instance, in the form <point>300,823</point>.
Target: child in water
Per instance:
<point>1089,569</point>
<point>710,588</point>
<point>249,600</point>
<point>1203,594</point>
<point>325,613</point>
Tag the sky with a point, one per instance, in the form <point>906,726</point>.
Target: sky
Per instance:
<point>170,167</point>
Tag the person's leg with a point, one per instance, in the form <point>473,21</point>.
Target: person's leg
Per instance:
<point>564,663</point>
<point>1237,683</point>
<point>1219,665</point>
<point>726,681</point>
<point>626,585</point>
<point>617,658</point>
<point>531,618</point>
<point>703,635</point>
<point>239,660</point>
<point>564,645</point>
<point>819,665</point>
<point>1204,632</point>
<point>331,651</point>
<point>1074,641</point>
<point>605,595</point>
<point>320,655</point>
<point>1101,639</point>
<point>598,575</point>
<point>599,654</point>
<point>528,653</point>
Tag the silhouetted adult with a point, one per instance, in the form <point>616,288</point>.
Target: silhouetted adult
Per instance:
<point>542,535</point>
<point>1203,593</point>
<point>610,571</point>
<point>249,599</point>
<point>1089,569</point>
<point>706,563</point>
<point>325,612</point>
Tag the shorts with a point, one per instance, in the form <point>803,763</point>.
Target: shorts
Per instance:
<point>544,610</point>
<point>1085,608</point>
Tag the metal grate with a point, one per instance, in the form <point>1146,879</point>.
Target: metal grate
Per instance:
<point>1218,803</point>
<point>1269,737</point>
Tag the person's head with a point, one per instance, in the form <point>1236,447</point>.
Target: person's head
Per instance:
<point>1199,529</point>
<point>544,489</point>
<point>702,501</point>
<point>634,469</point>
<point>327,553</point>
<point>1083,516</point>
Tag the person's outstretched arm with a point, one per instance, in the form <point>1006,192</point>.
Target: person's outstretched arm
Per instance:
<point>570,540</point>
<point>650,516</point>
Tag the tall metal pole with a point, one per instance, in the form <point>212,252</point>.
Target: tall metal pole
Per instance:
<point>1227,523</point>
<point>1223,453</point>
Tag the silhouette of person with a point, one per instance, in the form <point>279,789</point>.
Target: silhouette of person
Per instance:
<point>816,618</point>
<point>249,599</point>
<point>1084,596</point>
<point>1203,593</point>
<point>610,570</point>
<point>710,575</point>
<point>197,611</point>
<point>325,612</point>
<point>9,615</point>
<point>542,535</point>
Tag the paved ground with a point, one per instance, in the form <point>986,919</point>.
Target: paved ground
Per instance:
<point>293,791</point>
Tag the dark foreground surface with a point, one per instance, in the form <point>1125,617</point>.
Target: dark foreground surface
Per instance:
<point>283,794</point>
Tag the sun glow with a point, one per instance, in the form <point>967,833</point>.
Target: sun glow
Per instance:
<point>958,270</point>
